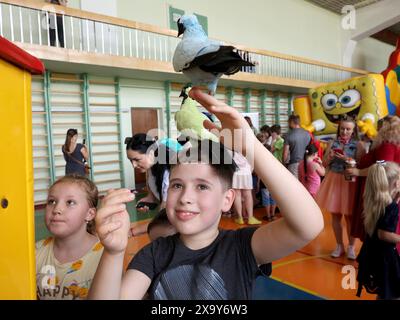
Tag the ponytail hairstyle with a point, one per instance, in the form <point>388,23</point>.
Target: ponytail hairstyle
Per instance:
<point>143,144</point>
<point>70,134</point>
<point>310,150</point>
<point>380,189</point>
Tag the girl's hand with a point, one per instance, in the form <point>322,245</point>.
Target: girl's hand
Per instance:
<point>352,172</point>
<point>235,133</point>
<point>112,221</point>
<point>318,160</point>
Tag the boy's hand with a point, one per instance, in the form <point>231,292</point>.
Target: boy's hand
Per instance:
<point>235,133</point>
<point>112,220</point>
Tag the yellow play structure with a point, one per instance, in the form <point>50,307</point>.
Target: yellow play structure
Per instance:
<point>367,99</point>
<point>362,98</point>
<point>17,232</point>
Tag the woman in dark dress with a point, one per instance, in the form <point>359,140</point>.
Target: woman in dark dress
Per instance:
<point>75,154</point>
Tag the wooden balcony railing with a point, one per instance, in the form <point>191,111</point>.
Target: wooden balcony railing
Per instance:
<point>77,32</point>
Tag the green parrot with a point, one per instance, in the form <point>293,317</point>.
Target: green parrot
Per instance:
<point>189,120</point>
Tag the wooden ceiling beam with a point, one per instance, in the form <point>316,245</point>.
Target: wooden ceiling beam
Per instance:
<point>386,36</point>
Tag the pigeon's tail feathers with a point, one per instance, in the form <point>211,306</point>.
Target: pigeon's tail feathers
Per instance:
<point>225,60</point>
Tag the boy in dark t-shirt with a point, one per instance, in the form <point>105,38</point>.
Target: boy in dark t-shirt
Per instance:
<point>201,261</point>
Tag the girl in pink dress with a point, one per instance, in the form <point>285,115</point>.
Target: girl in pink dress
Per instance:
<point>311,170</point>
<point>337,194</point>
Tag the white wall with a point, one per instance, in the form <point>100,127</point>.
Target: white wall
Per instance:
<point>286,26</point>
<point>372,55</point>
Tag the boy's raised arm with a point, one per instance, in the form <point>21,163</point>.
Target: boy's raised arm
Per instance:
<point>302,221</point>
<point>112,227</point>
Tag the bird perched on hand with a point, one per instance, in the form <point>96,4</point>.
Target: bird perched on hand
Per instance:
<point>203,60</point>
<point>189,120</point>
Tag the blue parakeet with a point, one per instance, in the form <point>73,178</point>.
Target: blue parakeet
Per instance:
<point>203,60</point>
<point>189,120</point>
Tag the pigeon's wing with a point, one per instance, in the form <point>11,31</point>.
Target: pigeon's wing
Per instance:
<point>188,49</point>
<point>225,60</point>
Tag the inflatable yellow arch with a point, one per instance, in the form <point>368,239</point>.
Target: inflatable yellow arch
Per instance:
<point>17,232</point>
<point>362,98</point>
<point>366,98</point>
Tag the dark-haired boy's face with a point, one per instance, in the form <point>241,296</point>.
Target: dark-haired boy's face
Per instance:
<point>196,198</point>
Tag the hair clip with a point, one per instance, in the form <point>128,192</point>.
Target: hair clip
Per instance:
<point>381,162</point>
<point>128,140</point>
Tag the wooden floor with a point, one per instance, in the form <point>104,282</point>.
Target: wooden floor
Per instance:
<point>310,269</point>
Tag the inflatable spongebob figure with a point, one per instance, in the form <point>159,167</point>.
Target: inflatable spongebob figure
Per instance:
<point>362,98</point>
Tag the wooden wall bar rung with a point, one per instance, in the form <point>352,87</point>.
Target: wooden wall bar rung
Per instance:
<point>106,162</point>
<point>67,113</point>
<point>66,92</point>
<point>102,105</point>
<point>104,133</point>
<point>42,179</point>
<point>100,94</point>
<point>66,80</point>
<point>65,103</point>
<point>105,143</point>
<point>64,124</point>
<point>107,181</point>
<point>102,82</point>
<point>107,171</point>
<point>104,113</point>
<point>104,123</point>
<point>102,153</point>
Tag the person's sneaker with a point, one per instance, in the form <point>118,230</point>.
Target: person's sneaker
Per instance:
<point>253,220</point>
<point>266,218</point>
<point>338,251</point>
<point>351,254</point>
<point>239,221</point>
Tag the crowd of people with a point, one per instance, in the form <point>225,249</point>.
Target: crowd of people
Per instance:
<point>353,178</point>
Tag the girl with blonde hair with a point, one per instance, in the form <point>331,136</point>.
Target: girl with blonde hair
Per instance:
<point>386,146</point>
<point>379,261</point>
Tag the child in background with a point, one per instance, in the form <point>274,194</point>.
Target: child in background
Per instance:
<point>267,201</point>
<point>66,262</point>
<point>174,267</point>
<point>160,226</point>
<point>277,143</point>
<point>379,261</point>
<point>266,130</point>
<point>311,170</point>
<point>337,194</point>
<point>243,185</point>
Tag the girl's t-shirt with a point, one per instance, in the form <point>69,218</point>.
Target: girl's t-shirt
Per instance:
<point>64,281</point>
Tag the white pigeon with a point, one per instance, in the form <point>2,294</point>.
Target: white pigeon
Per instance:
<point>203,60</point>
